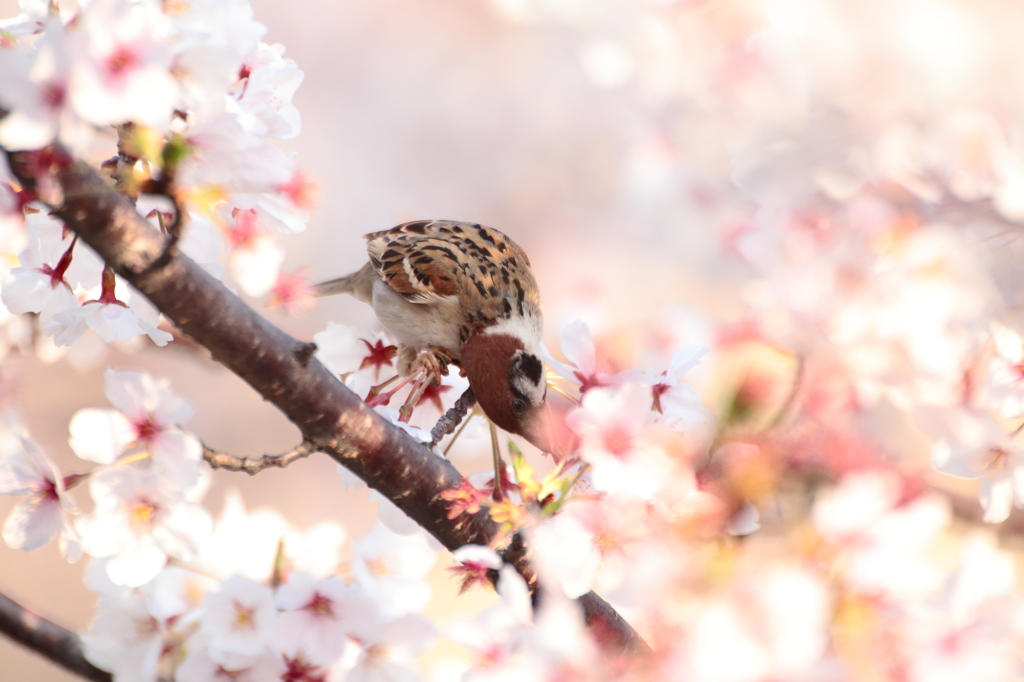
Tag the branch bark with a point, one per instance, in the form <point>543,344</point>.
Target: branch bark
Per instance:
<point>56,643</point>
<point>330,417</point>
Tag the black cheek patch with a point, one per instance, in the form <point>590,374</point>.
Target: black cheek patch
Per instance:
<point>530,367</point>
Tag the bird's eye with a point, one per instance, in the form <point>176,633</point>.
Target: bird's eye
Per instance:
<point>518,405</point>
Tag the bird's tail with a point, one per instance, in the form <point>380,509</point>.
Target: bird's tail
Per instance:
<point>342,285</point>
<point>359,284</point>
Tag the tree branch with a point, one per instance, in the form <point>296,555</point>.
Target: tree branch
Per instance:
<point>54,642</point>
<point>450,419</point>
<point>222,460</point>
<point>278,367</point>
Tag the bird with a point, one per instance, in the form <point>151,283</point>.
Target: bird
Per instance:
<point>459,293</point>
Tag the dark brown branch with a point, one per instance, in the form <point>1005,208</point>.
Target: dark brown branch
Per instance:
<point>450,420</point>
<point>61,646</point>
<point>222,460</point>
<point>326,412</point>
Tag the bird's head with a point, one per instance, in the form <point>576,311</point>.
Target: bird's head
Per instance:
<point>508,380</point>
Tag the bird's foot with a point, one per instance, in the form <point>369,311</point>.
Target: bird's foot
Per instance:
<point>376,397</point>
<point>428,367</point>
<point>434,362</point>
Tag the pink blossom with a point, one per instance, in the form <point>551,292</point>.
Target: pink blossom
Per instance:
<point>972,444</point>
<point>1004,382</point>
<point>200,667</point>
<point>317,617</point>
<point>240,619</point>
<point>138,522</point>
<point>245,543</point>
<point>121,69</point>
<point>390,650</point>
<point>676,402</point>
<point>264,93</point>
<point>111,318</point>
<point>498,632</point>
<point>613,426</point>
<point>884,538</point>
<point>474,563</point>
<point>587,546</point>
<point>36,91</point>
<point>585,369</point>
<point>392,568</point>
<point>291,292</point>
<point>45,282</point>
<point>147,419</point>
<point>125,639</point>
<point>45,511</point>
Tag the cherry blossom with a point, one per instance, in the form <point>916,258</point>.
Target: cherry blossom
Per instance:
<point>255,259</point>
<point>110,317</point>
<point>199,667</point>
<point>495,636</point>
<point>223,156</point>
<point>239,619</point>
<point>587,546</point>
<point>291,292</point>
<point>138,522</point>
<point>586,369</point>
<point>886,540</point>
<point>146,419</point>
<point>125,639</point>
<point>970,444</point>
<point>121,70</point>
<point>676,402</point>
<point>46,510</point>
<point>317,550</point>
<point>317,616</point>
<point>389,651</point>
<point>36,92</point>
<point>45,282</point>
<point>245,543</point>
<point>476,561</point>
<point>264,93</point>
<point>1004,382</point>
<point>392,568</point>
<point>616,441</point>
<point>177,593</point>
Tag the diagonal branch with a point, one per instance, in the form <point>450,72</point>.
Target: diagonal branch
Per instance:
<point>56,643</point>
<point>330,416</point>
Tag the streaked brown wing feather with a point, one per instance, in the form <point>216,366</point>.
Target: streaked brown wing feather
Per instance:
<point>428,260</point>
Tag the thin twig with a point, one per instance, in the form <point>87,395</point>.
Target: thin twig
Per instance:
<point>462,427</point>
<point>450,419</point>
<point>794,391</point>
<point>499,465</point>
<point>222,460</point>
<point>45,637</point>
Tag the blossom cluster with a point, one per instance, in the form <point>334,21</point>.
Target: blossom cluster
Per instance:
<point>192,99</point>
<point>248,597</point>
<point>876,217</point>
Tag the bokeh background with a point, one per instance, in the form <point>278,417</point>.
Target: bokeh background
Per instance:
<point>621,144</point>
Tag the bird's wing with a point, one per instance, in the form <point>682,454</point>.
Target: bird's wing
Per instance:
<point>428,261</point>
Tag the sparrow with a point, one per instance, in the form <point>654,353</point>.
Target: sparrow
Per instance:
<point>463,294</point>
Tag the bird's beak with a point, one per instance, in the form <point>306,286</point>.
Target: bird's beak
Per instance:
<point>547,431</point>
